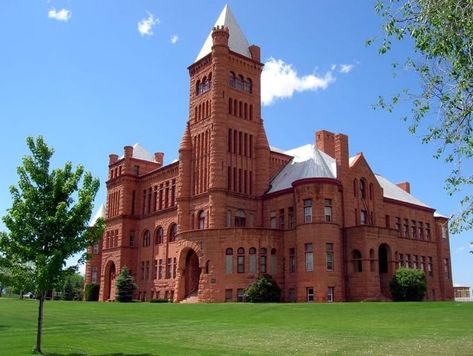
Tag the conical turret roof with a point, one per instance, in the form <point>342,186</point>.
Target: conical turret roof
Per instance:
<point>237,41</point>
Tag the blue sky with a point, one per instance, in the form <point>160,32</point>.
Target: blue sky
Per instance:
<point>94,76</point>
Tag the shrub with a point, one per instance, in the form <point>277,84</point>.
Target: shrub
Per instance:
<point>408,285</point>
<point>158,300</point>
<point>91,293</point>
<point>125,286</point>
<point>264,290</point>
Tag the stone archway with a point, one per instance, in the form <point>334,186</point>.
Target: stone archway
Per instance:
<point>191,274</point>
<point>384,256</point>
<point>109,287</point>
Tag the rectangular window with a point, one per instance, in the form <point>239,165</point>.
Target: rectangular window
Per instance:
<point>160,269</point>
<point>330,294</point>
<point>272,220</point>
<point>420,230</point>
<point>428,236</point>
<point>398,224</point>
<point>414,229</point>
<point>414,261</point>
<point>252,263</point>
<point>274,263</point>
<point>422,263</point>
<point>155,269</point>
<point>228,295</point>
<point>329,256</point>
<point>408,261</point>
<point>281,218</point>
<point>363,217</point>
<point>240,295</point>
<point>229,263</point>
<point>169,268</point>
<point>406,228</point>
<point>444,231</point>
<point>401,260</point>
<point>94,274</point>
<point>292,260</point>
<point>310,294</point>
<point>328,210</point>
<point>307,210</point>
<point>147,270</point>
<point>387,221</point>
<point>262,263</point>
<point>241,264</point>
<point>142,270</point>
<point>291,223</point>
<point>309,257</point>
<point>430,268</point>
<point>446,269</point>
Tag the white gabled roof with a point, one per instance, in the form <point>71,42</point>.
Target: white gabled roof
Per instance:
<point>100,213</point>
<point>392,191</point>
<point>237,41</point>
<point>308,162</point>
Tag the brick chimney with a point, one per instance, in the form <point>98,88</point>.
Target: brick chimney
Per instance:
<point>325,141</point>
<point>406,186</point>
<point>128,151</point>
<point>112,158</point>
<point>159,158</point>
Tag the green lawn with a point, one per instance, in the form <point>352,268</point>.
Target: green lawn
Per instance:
<point>77,328</point>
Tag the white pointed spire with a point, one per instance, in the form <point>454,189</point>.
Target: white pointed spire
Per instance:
<point>237,41</point>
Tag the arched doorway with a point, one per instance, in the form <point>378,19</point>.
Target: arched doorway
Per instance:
<point>191,274</point>
<point>110,273</point>
<point>383,268</point>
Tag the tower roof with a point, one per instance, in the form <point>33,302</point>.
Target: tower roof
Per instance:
<point>237,41</point>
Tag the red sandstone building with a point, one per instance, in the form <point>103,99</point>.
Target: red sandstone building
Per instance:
<point>320,222</point>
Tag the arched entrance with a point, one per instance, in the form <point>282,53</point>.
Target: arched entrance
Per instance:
<point>384,253</point>
<point>110,273</point>
<point>191,274</point>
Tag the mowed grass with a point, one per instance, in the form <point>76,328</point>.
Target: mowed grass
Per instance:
<point>79,328</point>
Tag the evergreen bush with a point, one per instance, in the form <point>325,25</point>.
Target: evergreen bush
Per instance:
<point>264,290</point>
<point>408,284</point>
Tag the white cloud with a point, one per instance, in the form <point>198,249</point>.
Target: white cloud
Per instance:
<point>346,68</point>
<point>145,26</point>
<point>174,39</point>
<point>280,80</point>
<point>61,15</point>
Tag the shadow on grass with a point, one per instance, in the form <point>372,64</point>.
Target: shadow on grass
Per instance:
<point>79,354</point>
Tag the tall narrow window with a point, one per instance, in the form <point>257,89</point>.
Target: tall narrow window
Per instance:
<point>329,256</point>
<point>252,252</point>
<point>357,262</point>
<point>262,260</point>
<point>362,189</point>
<point>241,260</point>
<point>398,225</point>
<point>201,220</point>
<point>146,238</point>
<point>229,260</point>
<point>169,268</point>
<point>406,228</point>
<point>159,235</point>
<point>328,210</point>
<point>420,230</point>
<point>272,220</point>
<point>274,262</point>
<point>94,274</point>
<point>281,218</point>
<point>430,268</point>
<point>414,229</point>
<point>428,236</point>
<point>307,210</point>
<point>363,217</point>
<point>291,221</point>
<point>446,268</point>
<point>240,218</point>
<point>172,233</point>
<point>292,260</point>
<point>310,294</point>
<point>309,257</point>
<point>330,294</point>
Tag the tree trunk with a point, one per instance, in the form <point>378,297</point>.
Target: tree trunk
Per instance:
<point>39,332</point>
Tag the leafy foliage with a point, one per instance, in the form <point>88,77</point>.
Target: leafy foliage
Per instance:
<point>442,32</point>
<point>125,286</point>
<point>19,278</point>
<point>408,285</point>
<point>48,220</point>
<point>91,293</point>
<point>264,290</point>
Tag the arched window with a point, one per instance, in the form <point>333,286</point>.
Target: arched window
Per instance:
<point>232,80</point>
<point>355,187</point>
<point>249,85</point>
<point>159,236</point>
<point>356,259</point>
<point>252,252</point>
<point>371,191</point>
<point>197,87</point>
<point>172,233</point>
<point>241,260</point>
<point>241,83</point>
<point>362,188</point>
<point>201,220</point>
<point>229,260</point>
<point>146,238</point>
<point>240,218</point>
<point>263,255</point>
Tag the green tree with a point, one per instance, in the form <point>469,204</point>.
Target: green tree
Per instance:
<point>263,290</point>
<point>73,287</point>
<point>441,111</point>
<point>125,286</point>
<point>91,293</point>
<point>17,276</point>
<point>408,284</point>
<point>48,220</point>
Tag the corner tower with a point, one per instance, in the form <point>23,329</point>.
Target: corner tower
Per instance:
<point>225,130</point>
